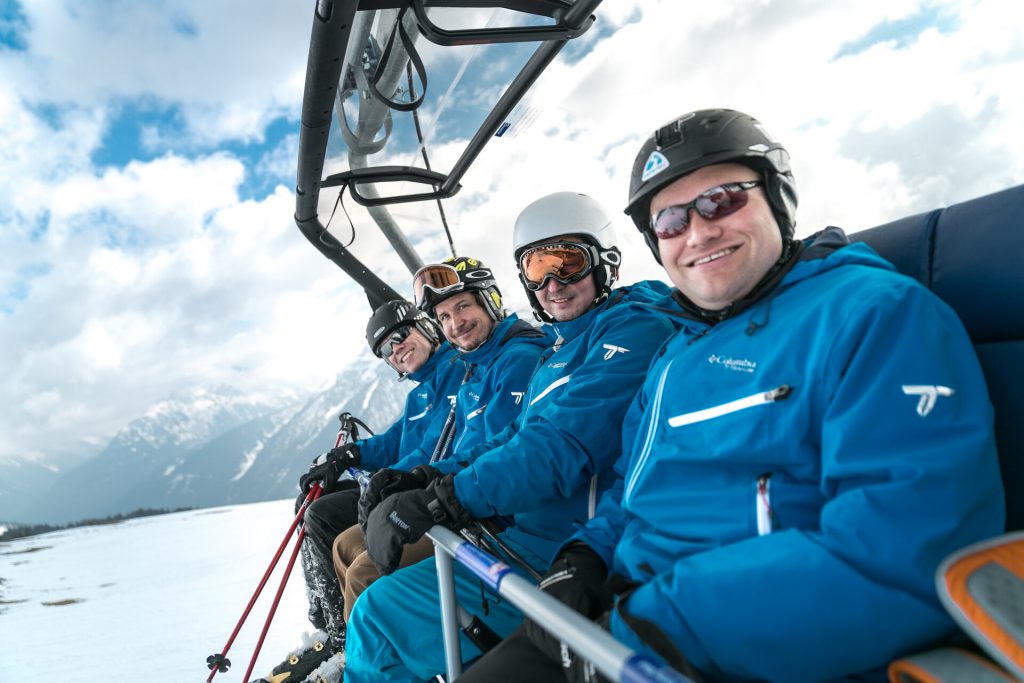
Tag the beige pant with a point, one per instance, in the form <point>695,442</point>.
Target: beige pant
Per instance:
<point>356,570</point>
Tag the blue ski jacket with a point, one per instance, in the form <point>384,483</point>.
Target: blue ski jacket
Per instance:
<point>493,380</point>
<point>548,468</point>
<point>426,407</point>
<point>793,477</point>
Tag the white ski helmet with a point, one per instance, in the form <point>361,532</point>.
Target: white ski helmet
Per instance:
<point>568,214</point>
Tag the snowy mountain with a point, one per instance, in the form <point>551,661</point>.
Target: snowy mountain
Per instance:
<point>212,447</point>
<point>146,599</point>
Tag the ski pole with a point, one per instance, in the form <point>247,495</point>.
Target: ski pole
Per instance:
<point>284,581</point>
<point>220,662</point>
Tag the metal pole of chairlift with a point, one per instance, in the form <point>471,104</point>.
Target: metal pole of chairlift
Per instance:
<point>611,658</point>
<point>372,114</point>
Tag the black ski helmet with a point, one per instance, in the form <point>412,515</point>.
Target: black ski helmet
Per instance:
<point>453,276</point>
<point>703,138</point>
<point>392,315</point>
<point>568,214</point>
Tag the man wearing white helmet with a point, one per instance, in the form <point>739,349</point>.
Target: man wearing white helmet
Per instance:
<point>547,468</point>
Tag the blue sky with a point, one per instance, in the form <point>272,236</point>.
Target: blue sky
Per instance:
<point>147,172</point>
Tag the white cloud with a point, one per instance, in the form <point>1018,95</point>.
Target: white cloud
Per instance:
<point>230,71</point>
<point>119,285</point>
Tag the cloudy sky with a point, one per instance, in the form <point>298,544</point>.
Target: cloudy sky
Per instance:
<point>147,172</point>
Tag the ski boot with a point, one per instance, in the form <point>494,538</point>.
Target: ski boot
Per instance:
<point>300,663</point>
<point>331,671</point>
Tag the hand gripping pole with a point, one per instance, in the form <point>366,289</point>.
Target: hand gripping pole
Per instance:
<point>612,659</point>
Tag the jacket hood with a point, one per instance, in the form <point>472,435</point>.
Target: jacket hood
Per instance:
<point>828,249</point>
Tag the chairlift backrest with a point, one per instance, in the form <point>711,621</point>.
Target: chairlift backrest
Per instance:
<point>972,255</point>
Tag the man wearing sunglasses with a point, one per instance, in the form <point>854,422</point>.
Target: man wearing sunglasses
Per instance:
<point>410,342</point>
<point>544,472</point>
<point>785,494</point>
<point>497,353</point>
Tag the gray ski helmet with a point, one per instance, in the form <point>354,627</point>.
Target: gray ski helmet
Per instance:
<point>703,138</point>
<point>564,214</point>
<point>395,314</point>
<point>453,276</point>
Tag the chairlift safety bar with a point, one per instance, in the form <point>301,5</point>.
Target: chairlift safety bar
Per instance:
<point>612,659</point>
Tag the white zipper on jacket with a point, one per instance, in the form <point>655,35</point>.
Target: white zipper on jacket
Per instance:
<point>551,387</point>
<point>763,498</point>
<point>645,452</point>
<point>777,394</point>
<point>758,399</point>
<point>423,414</point>
<point>592,501</point>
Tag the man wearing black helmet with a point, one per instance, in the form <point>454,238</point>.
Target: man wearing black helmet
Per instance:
<point>410,342</point>
<point>544,472</point>
<point>784,494</point>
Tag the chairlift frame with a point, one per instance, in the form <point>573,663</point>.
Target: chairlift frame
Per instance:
<point>333,22</point>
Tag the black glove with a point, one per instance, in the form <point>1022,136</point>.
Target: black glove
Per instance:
<point>404,517</point>
<point>576,578</point>
<point>387,482</point>
<point>327,472</point>
<point>576,668</point>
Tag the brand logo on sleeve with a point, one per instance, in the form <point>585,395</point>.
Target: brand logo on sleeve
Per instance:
<point>928,393</point>
<point>611,350</point>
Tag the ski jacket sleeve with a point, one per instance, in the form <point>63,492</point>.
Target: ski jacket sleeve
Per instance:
<point>466,456</point>
<point>425,449</point>
<point>380,450</point>
<point>574,430</point>
<point>901,488</point>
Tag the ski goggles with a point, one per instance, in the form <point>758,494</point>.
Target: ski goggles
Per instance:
<point>387,347</point>
<point>718,202</point>
<point>566,262</point>
<point>438,278</point>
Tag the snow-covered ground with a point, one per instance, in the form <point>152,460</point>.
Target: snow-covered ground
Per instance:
<point>147,599</point>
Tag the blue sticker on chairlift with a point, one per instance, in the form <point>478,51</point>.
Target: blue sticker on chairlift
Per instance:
<point>656,163</point>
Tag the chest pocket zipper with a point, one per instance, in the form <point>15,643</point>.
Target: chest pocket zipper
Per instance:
<point>762,398</point>
<point>777,394</point>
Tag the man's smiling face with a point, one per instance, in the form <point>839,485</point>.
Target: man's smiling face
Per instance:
<point>411,353</point>
<point>715,263</point>
<point>465,322</point>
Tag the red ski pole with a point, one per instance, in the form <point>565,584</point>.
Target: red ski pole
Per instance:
<point>280,589</point>
<point>220,662</point>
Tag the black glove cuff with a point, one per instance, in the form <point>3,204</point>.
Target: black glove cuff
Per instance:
<point>426,474</point>
<point>347,455</point>
<point>587,563</point>
<point>448,510</point>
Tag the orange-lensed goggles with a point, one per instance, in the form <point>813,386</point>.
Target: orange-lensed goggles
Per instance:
<point>566,262</point>
<point>438,278</point>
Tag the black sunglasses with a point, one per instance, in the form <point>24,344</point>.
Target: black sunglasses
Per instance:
<point>718,202</point>
<point>387,347</point>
